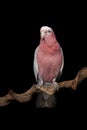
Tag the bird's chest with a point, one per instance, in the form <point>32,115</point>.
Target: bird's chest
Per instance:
<point>48,63</point>
<point>45,59</point>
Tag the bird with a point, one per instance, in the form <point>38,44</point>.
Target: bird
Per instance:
<point>48,65</point>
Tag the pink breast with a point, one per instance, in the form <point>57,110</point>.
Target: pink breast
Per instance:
<point>49,65</point>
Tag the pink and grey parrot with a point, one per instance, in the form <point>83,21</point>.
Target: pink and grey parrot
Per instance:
<point>48,65</point>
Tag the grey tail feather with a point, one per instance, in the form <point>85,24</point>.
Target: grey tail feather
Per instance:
<point>45,100</point>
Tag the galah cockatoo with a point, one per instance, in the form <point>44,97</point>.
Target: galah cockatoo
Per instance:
<point>48,64</point>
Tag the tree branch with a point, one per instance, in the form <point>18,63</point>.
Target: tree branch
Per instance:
<point>26,96</point>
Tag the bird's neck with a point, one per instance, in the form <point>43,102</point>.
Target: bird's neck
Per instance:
<point>52,48</point>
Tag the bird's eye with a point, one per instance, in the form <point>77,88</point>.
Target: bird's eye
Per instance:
<point>49,31</point>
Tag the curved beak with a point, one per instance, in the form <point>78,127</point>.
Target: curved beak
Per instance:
<point>43,34</point>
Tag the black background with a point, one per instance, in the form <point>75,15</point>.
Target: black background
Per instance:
<point>19,37</point>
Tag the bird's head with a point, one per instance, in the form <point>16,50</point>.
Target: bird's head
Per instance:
<point>44,31</point>
<point>47,35</point>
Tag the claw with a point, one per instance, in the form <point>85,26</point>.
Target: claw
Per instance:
<point>55,84</point>
<point>38,86</point>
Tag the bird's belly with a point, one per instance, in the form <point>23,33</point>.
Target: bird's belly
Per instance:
<point>49,67</point>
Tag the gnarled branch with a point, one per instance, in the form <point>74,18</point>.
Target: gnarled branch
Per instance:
<point>26,96</point>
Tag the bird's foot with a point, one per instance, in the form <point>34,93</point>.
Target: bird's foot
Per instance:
<point>55,84</point>
<point>39,85</point>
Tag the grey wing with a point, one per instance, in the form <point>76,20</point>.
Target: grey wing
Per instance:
<point>35,66</point>
<point>36,71</point>
<point>61,68</point>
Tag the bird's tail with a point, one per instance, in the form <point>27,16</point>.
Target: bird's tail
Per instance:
<point>45,100</point>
